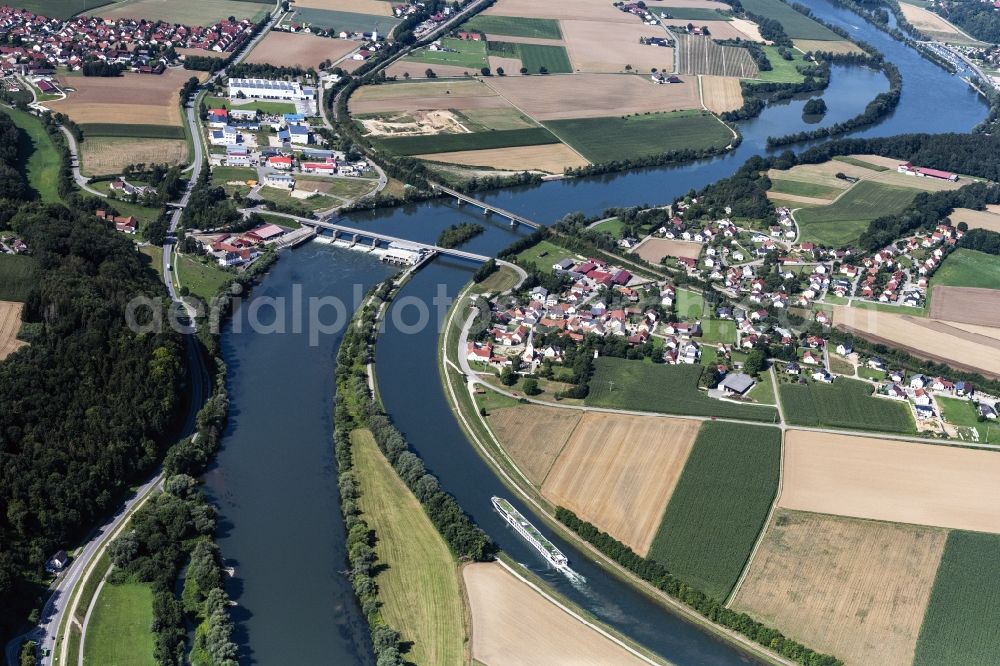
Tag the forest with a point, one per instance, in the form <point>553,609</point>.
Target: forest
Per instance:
<point>979,19</point>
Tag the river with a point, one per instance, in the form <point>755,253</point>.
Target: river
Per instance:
<point>274,479</point>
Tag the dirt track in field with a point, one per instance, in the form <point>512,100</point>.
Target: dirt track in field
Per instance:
<point>533,435</point>
<point>287,49</point>
<point>618,472</point>
<point>880,479</point>
<point>594,95</point>
<point>10,324</point>
<point>856,589</point>
<point>721,93</point>
<point>924,338</point>
<point>513,625</point>
<point>551,158</point>
<point>654,250</point>
<point>969,305</point>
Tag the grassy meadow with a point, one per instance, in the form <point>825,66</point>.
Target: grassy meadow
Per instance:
<point>516,26</point>
<point>719,506</point>
<point>461,53</point>
<point>969,268</point>
<point>846,403</point>
<point>38,158</point>
<point>120,633</point>
<point>17,277</point>
<point>138,130</point>
<point>843,221</point>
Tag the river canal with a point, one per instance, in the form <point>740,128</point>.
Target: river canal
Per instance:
<point>274,480</point>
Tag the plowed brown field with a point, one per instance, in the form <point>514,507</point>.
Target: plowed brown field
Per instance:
<point>288,49</point>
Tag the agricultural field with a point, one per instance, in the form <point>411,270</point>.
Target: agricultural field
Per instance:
<point>119,633</point>
<point>550,158</point>
<point>818,45</point>
<point>969,268</point>
<point>547,98</point>
<point>461,53</point>
<point>857,161</point>
<point>703,55</point>
<point>803,189</point>
<point>842,222</point>
<point>37,156</point>
<point>401,97</point>
<point>419,587</point>
<point>719,506</point>
<point>17,277</point>
<point>62,9</point>
<point>655,250</point>
<point>968,305</point>
<point>515,26</point>
<point>721,93</point>
<point>616,138</point>
<point>618,472</point>
<point>600,46</point>
<point>978,219</point>
<point>935,27</point>
<point>127,130</point>
<point>374,7</point>
<point>346,21</point>
<point>512,624</point>
<point>856,589</point>
<point>666,389</point>
<point>10,324</point>
<point>961,624</point>
<point>444,143</point>
<point>105,155</point>
<point>536,58</point>
<point>927,337</point>
<point>152,100</point>
<point>880,479</point>
<point>533,435</point>
<point>188,12</point>
<point>796,25</point>
<point>343,188</point>
<point>288,49</point>
<point>846,403</point>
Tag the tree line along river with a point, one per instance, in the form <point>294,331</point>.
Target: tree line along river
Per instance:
<point>274,480</point>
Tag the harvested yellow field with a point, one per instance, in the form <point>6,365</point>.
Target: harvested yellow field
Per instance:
<point>856,589</point>
<point>105,155</point>
<point>550,158</point>
<point>132,98</point>
<point>837,47</point>
<point>375,7</point>
<point>618,472</point>
<point>925,338</point>
<point>987,331</point>
<point>10,324</point>
<point>822,174</point>
<point>585,10</point>
<point>934,26</point>
<point>978,219</point>
<point>783,198</point>
<point>594,46</point>
<point>426,95</point>
<point>533,435</point>
<point>881,479</point>
<point>594,95</point>
<point>514,625</point>
<point>721,93</point>
<point>749,29</point>
<point>289,49</point>
<point>654,250</point>
<point>510,66</point>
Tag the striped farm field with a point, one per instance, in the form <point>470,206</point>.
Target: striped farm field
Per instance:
<point>843,221</point>
<point>721,93</point>
<point>962,624</point>
<point>443,143</point>
<point>516,26</point>
<point>618,472</point>
<point>104,155</point>
<point>846,403</point>
<point>720,505</point>
<point>856,589</point>
<point>533,435</point>
<point>126,130</point>
<point>800,188</point>
<point>702,55</point>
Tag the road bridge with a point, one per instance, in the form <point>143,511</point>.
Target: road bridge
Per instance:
<point>487,208</point>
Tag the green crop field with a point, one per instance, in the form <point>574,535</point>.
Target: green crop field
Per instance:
<point>419,588</point>
<point>719,506</point>
<point>552,254</point>
<point>796,25</point>
<point>782,71</point>
<point>969,268</point>
<point>846,403</point>
<point>804,189</point>
<point>690,14</point>
<point>961,623</point>
<point>609,139</point>
<point>38,158</point>
<point>718,330</point>
<point>346,21</point>
<point>667,389</point>
<point>957,411</point>
<point>62,9</point>
<point>444,143</point>
<point>142,131</point>
<point>843,221</point>
<point>861,163</point>
<point>17,273</point>
<point>120,630</point>
<point>552,58</point>
<point>463,53</point>
<point>516,26</point>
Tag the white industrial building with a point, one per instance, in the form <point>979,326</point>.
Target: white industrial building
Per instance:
<point>267,89</point>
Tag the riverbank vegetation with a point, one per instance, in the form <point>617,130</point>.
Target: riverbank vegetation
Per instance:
<point>458,234</point>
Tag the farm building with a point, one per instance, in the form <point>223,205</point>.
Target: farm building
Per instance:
<point>267,89</point>
<point>737,383</point>
<point>910,170</point>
